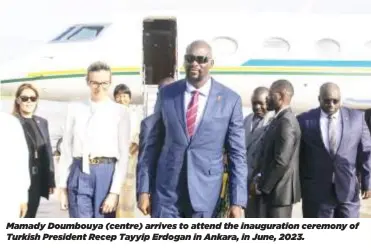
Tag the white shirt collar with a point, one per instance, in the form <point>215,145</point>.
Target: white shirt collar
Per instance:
<point>204,90</point>
<point>325,115</point>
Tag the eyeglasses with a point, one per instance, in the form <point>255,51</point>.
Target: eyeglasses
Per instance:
<point>27,98</point>
<point>98,84</point>
<point>199,59</point>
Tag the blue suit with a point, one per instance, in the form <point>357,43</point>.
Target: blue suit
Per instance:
<point>188,172</point>
<point>146,168</point>
<point>323,197</point>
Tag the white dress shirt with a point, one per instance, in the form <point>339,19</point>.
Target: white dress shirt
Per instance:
<point>96,129</point>
<point>15,176</point>
<point>324,121</point>
<point>202,99</point>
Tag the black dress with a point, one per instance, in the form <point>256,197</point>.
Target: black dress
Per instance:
<point>38,172</point>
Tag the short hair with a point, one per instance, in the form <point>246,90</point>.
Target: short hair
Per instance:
<point>284,85</point>
<point>98,66</point>
<point>327,86</point>
<point>121,89</point>
<point>200,43</point>
<point>260,90</point>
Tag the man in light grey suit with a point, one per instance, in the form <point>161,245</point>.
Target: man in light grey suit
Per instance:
<point>255,125</point>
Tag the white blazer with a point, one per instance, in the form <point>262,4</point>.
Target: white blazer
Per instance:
<point>14,176</point>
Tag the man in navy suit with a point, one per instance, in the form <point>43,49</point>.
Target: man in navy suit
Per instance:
<point>335,148</point>
<point>195,119</point>
<point>145,127</point>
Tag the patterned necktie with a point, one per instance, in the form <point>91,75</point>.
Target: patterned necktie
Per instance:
<point>332,134</point>
<point>192,113</point>
<point>256,121</point>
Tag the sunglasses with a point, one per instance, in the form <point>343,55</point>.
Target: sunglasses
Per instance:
<point>27,98</point>
<point>329,101</point>
<point>199,59</point>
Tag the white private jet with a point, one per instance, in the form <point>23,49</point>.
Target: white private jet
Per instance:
<point>250,51</point>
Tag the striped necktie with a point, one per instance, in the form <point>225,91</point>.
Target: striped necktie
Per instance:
<point>192,113</point>
<point>332,134</point>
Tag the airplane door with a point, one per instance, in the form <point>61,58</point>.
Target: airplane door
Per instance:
<point>159,49</point>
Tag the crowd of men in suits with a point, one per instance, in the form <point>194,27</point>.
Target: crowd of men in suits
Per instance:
<point>322,156</point>
<point>275,158</point>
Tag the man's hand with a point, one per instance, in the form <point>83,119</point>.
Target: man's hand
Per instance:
<point>133,148</point>
<point>144,203</point>
<point>63,199</point>
<point>23,210</point>
<point>110,203</point>
<point>252,189</point>
<point>366,194</point>
<point>235,212</point>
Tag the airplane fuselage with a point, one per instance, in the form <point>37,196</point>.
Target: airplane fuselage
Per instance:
<point>148,49</point>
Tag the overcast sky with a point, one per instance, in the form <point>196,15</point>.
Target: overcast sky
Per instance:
<point>25,24</point>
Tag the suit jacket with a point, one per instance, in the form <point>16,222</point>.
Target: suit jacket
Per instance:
<point>368,118</point>
<point>146,169</point>
<point>279,161</point>
<point>318,167</point>
<point>221,126</point>
<point>46,160</point>
<point>253,139</point>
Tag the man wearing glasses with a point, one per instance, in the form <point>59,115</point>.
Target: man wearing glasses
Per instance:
<point>335,150</point>
<point>95,150</point>
<point>196,118</point>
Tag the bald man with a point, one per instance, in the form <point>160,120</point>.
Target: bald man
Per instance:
<point>277,177</point>
<point>335,148</point>
<point>196,118</point>
<point>255,126</point>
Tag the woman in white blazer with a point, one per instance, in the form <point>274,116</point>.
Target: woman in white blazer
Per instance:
<point>15,178</point>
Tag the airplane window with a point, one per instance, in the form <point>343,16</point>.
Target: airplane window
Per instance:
<point>59,37</point>
<point>224,46</point>
<point>275,47</point>
<point>328,47</point>
<point>86,33</point>
<point>78,33</point>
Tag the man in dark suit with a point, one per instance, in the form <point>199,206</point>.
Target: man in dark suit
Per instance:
<point>368,119</point>
<point>277,177</point>
<point>334,138</point>
<point>196,117</point>
<point>145,128</point>
<point>255,126</point>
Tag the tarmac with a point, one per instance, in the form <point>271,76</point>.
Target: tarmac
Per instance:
<point>51,209</point>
